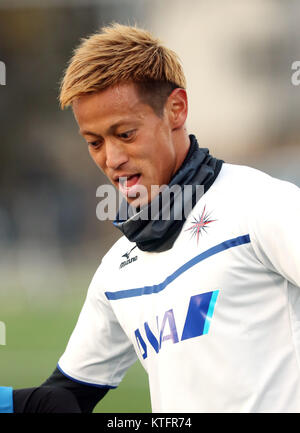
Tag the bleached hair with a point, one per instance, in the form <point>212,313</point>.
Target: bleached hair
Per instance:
<point>120,54</point>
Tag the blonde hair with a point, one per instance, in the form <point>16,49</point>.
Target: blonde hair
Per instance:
<point>120,54</point>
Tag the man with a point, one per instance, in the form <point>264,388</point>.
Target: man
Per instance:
<point>208,301</point>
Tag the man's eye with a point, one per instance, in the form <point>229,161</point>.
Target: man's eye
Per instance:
<point>94,144</point>
<point>126,135</point>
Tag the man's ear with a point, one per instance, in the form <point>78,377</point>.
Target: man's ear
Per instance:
<point>177,108</point>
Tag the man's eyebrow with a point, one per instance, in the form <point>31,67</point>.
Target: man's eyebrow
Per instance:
<point>111,129</point>
<point>87,133</point>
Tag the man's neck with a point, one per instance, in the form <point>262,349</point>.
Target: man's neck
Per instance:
<point>182,145</point>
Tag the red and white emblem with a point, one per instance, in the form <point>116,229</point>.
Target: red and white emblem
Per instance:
<point>200,225</point>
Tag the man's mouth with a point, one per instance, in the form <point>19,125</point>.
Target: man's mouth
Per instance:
<point>128,184</point>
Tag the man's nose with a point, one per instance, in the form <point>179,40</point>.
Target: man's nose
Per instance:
<point>115,154</point>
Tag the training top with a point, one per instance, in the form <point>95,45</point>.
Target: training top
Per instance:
<point>215,320</point>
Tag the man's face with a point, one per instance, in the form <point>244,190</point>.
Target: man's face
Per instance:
<point>126,139</point>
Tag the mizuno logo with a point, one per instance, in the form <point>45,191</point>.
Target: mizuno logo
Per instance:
<point>126,255</point>
<point>129,260</point>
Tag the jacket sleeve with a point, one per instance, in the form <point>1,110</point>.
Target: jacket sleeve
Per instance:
<point>96,358</point>
<point>57,394</point>
<point>274,223</point>
<point>98,352</point>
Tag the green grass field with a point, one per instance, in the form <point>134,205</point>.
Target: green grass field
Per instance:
<point>36,335</point>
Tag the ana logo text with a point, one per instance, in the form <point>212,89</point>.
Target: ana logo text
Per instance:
<point>197,322</point>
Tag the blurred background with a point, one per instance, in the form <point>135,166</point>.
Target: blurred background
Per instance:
<point>244,107</point>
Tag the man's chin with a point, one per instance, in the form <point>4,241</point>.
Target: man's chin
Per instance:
<point>137,203</point>
<point>140,196</point>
